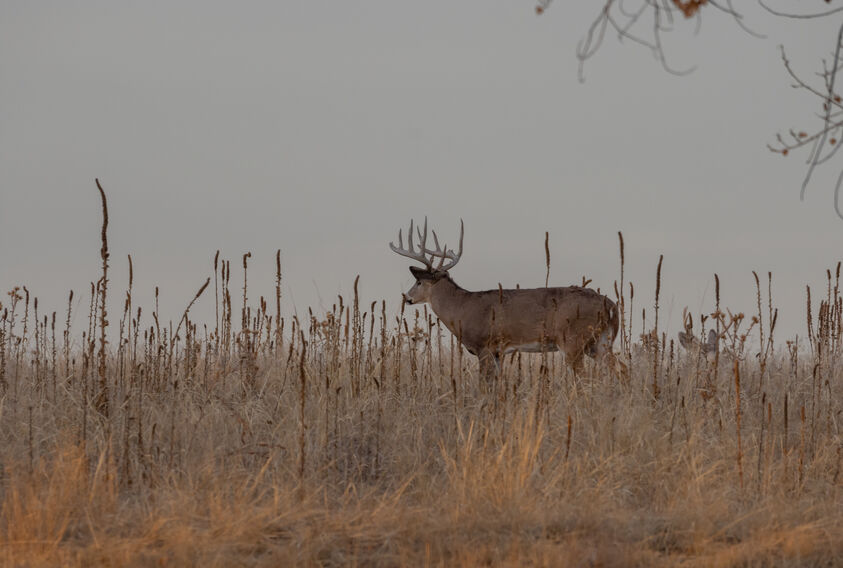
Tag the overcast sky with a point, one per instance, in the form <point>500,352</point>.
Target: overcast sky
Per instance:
<point>320,128</point>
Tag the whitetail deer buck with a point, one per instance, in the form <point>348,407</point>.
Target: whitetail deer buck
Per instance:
<point>491,323</point>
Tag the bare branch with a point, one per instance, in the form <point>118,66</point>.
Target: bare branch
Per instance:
<point>730,9</point>
<point>824,142</point>
<point>626,21</point>
<point>800,16</point>
<point>827,106</point>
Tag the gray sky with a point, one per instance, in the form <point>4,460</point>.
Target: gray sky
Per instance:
<point>320,128</point>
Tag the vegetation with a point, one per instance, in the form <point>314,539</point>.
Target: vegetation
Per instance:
<point>359,437</point>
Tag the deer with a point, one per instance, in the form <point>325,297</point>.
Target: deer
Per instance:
<point>575,320</point>
<point>692,343</point>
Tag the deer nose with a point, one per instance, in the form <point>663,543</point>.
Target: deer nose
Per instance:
<point>407,299</point>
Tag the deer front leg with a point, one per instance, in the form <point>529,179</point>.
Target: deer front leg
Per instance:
<point>604,355</point>
<point>574,359</point>
<point>490,367</point>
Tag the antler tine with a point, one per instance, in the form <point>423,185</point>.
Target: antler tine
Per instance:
<point>410,238</point>
<point>462,233</point>
<point>400,246</point>
<point>443,253</point>
<point>442,261</point>
<point>436,242</point>
<point>410,251</point>
<point>450,254</point>
<point>423,236</point>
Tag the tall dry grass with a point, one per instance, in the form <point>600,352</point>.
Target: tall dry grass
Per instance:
<point>360,438</point>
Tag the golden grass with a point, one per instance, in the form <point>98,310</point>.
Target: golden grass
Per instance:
<point>357,439</point>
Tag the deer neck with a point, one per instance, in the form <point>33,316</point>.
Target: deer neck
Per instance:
<point>447,298</point>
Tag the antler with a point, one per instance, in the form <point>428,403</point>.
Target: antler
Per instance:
<point>410,252</point>
<point>443,253</point>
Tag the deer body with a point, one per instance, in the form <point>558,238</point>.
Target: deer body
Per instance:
<point>491,323</point>
<point>577,321</point>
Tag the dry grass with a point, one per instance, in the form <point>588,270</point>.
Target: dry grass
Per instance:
<point>355,438</point>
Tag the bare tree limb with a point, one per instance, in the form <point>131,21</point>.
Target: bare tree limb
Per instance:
<point>730,9</point>
<point>800,16</point>
<point>825,141</point>
<point>626,19</point>
<point>646,22</point>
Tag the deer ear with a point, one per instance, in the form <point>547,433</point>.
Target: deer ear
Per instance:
<point>712,337</point>
<point>420,273</point>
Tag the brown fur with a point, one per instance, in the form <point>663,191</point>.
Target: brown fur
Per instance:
<point>573,320</point>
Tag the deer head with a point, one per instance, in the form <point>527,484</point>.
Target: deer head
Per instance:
<point>432,273</point>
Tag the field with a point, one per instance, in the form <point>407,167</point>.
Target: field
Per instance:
<point>358,437</point>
